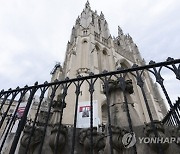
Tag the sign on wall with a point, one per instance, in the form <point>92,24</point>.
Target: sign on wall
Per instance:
<point>84,114</point>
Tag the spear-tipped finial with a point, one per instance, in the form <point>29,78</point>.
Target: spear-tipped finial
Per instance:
<point>102,15</point>
<point>120,32</point>
<point>87,5</point>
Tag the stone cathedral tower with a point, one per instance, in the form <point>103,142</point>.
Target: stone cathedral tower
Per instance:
<point>92,49</point>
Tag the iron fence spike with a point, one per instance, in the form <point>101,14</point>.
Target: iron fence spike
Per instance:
<point>134,65</point>
<point>67,78</point>
<point>36,83</point>
<point>152,62</point>
<point>169,59</point>
<point>45,82</point>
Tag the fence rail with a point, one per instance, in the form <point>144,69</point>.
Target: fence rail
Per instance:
<point>14,114</point>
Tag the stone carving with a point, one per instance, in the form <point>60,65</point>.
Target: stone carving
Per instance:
<point>57,110</point>
<point>120,32</point>
<point>98,140</point>
<point>42,117</point>
<point>148,130</point>
<point>35,139</point>
<point>117,134</point>
<point>63,131</point>
<point>78,20</point>
<point>114,84</point>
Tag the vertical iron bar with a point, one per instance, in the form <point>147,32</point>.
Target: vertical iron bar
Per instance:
<point>91,90</point>
<point>91,118</point>
<point>77,92</point>
<point>177,111</point>
<point>176,120</point>
<point>7,110</point>
<point>4,100</point>
<point>13,123</point>
<point>36,115</point>
<point>1,93</point>
<point>62,109</point>
<point>8,120</point>
<point>171,121</point>
<point>169,102</point>
<point>48,116</point>
<point>151,119</point>
<point>13,119</point>
<point>167,123</point>
<point>10,126</point>
<point>129,119</point>
<point>166,95</point>
<point>22,121</point>
<point>128,114</point>
<point>106,83</point>
<point>123,87</point>
<point>140,83</point>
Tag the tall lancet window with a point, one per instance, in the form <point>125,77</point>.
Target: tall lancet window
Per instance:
<point>104,113</point>
<point>84,55</point>
<point>99,24</point>
<point>105,60</point>
<point>99,58</point>
<point>92,18</point>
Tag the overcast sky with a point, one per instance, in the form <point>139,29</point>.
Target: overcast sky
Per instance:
<point>34,33</point>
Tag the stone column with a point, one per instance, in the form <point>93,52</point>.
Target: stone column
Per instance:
<point>118,108</point>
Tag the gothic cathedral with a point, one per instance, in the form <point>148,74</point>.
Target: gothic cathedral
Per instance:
<point>92,49</point>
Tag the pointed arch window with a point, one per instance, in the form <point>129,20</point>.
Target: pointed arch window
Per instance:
<point>84,58</point>
<point>85,41</point>
<point>99,24</point>
<point>105,60</point>
<point>93,18</point>
<point>104,52</point>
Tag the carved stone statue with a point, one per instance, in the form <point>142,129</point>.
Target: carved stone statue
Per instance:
<point>117,143</point>
<point>117,134</point>
<point>61,140</point>
<point>149,132</point>
<point>85,140</point>
<point>57,110</point>
<point>35,139</point>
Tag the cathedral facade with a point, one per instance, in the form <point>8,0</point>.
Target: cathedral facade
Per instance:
<point>92,49</point>
<point>102,100</point>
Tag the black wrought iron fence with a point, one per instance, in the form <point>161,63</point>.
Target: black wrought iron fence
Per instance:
<point>15,118</point>
<point>169,118</point>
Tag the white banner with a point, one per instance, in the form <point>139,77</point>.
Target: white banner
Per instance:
<point>83,115</point>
